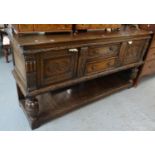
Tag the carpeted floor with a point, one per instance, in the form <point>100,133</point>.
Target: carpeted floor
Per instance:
<point>131,109</point>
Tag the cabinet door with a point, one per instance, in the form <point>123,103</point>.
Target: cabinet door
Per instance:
<point>58,66</point>
<point>134,51</point>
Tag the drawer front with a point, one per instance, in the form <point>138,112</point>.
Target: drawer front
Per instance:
<point>134,51</point>
<point>25,27</point>
<point>96,26</point>
<point>148,27</point>
<point>100,65</point>
<point>52,27</point>
<point>103,51</point>
<point>58,66</point>
<point>149,67</point>
<point>151,54</point>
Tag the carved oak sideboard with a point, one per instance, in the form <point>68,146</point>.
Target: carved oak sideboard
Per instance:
<point>58,73</point>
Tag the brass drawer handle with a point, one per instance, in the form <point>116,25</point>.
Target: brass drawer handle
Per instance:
<point>74,50</point>
<point>130,42</point>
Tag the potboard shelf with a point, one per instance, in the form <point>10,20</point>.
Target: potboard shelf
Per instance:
<point>55,104</point>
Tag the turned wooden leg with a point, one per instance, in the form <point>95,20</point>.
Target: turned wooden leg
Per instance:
<point>6,55</point>
<point>32,107</point>
<point>134,74</point>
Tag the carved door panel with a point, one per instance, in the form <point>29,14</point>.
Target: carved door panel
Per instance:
<point>58,66</point>
<point>133,51</point>
<point>96,59</point>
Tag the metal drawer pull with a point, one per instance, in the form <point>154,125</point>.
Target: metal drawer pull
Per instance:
<point>73,50</point>
<point>130,42</point>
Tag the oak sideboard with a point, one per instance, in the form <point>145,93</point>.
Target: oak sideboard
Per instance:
<point>56,73</point>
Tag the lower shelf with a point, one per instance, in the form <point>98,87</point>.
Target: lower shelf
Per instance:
<point>57,103</point>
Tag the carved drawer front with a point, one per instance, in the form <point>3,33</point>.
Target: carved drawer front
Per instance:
<point>103,51</point>
<point>100,65</point>
<point>151,54</point>
<point>149,67</point>
<point>134,51</point>
<point>58,66</point>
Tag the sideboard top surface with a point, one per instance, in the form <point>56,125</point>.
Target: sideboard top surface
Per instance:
<point>35,39</point>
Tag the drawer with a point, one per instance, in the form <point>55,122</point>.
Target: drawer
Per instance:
<point>99,65</point>
<point>148,27</point>
<point>96,26</point>
<point>149,67</point>
<point>151,54</point>
<point>52,27</point>
<point>23,27</point>
<point>103,51</point>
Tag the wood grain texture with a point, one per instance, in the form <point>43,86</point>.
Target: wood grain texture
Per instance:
<point>61,70</point>
<point>149,67</point>
<point>100,65</point>
<point>57,66</point>
<point>23,27</point>
<point>30,28</point>
<point>96,26</point>
<point>149,61</point>
<point>151,54</point>
<point>52,27</point>
<point>134,51</point>
<point>104,51</point>
<point>58,103</point>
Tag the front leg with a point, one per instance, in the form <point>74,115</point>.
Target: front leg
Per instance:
<point>32,108</point>
<point>134,74</point>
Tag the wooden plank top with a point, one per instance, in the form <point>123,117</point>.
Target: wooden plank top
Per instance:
<point>36,39</point>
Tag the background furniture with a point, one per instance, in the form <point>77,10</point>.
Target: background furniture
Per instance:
<point>149,64</point>
<point>1,33</point>
<point>58,73</point>
<point>5,42</point>
<point>6,47</point>
<point>97,26</point>
<point>29,28</point>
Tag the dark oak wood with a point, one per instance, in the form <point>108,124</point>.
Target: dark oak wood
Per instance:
<point>57,103</point>
<point>106,27</point>
<point>149,62</point>
<point>29,28</point>
<point>48,67</point>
